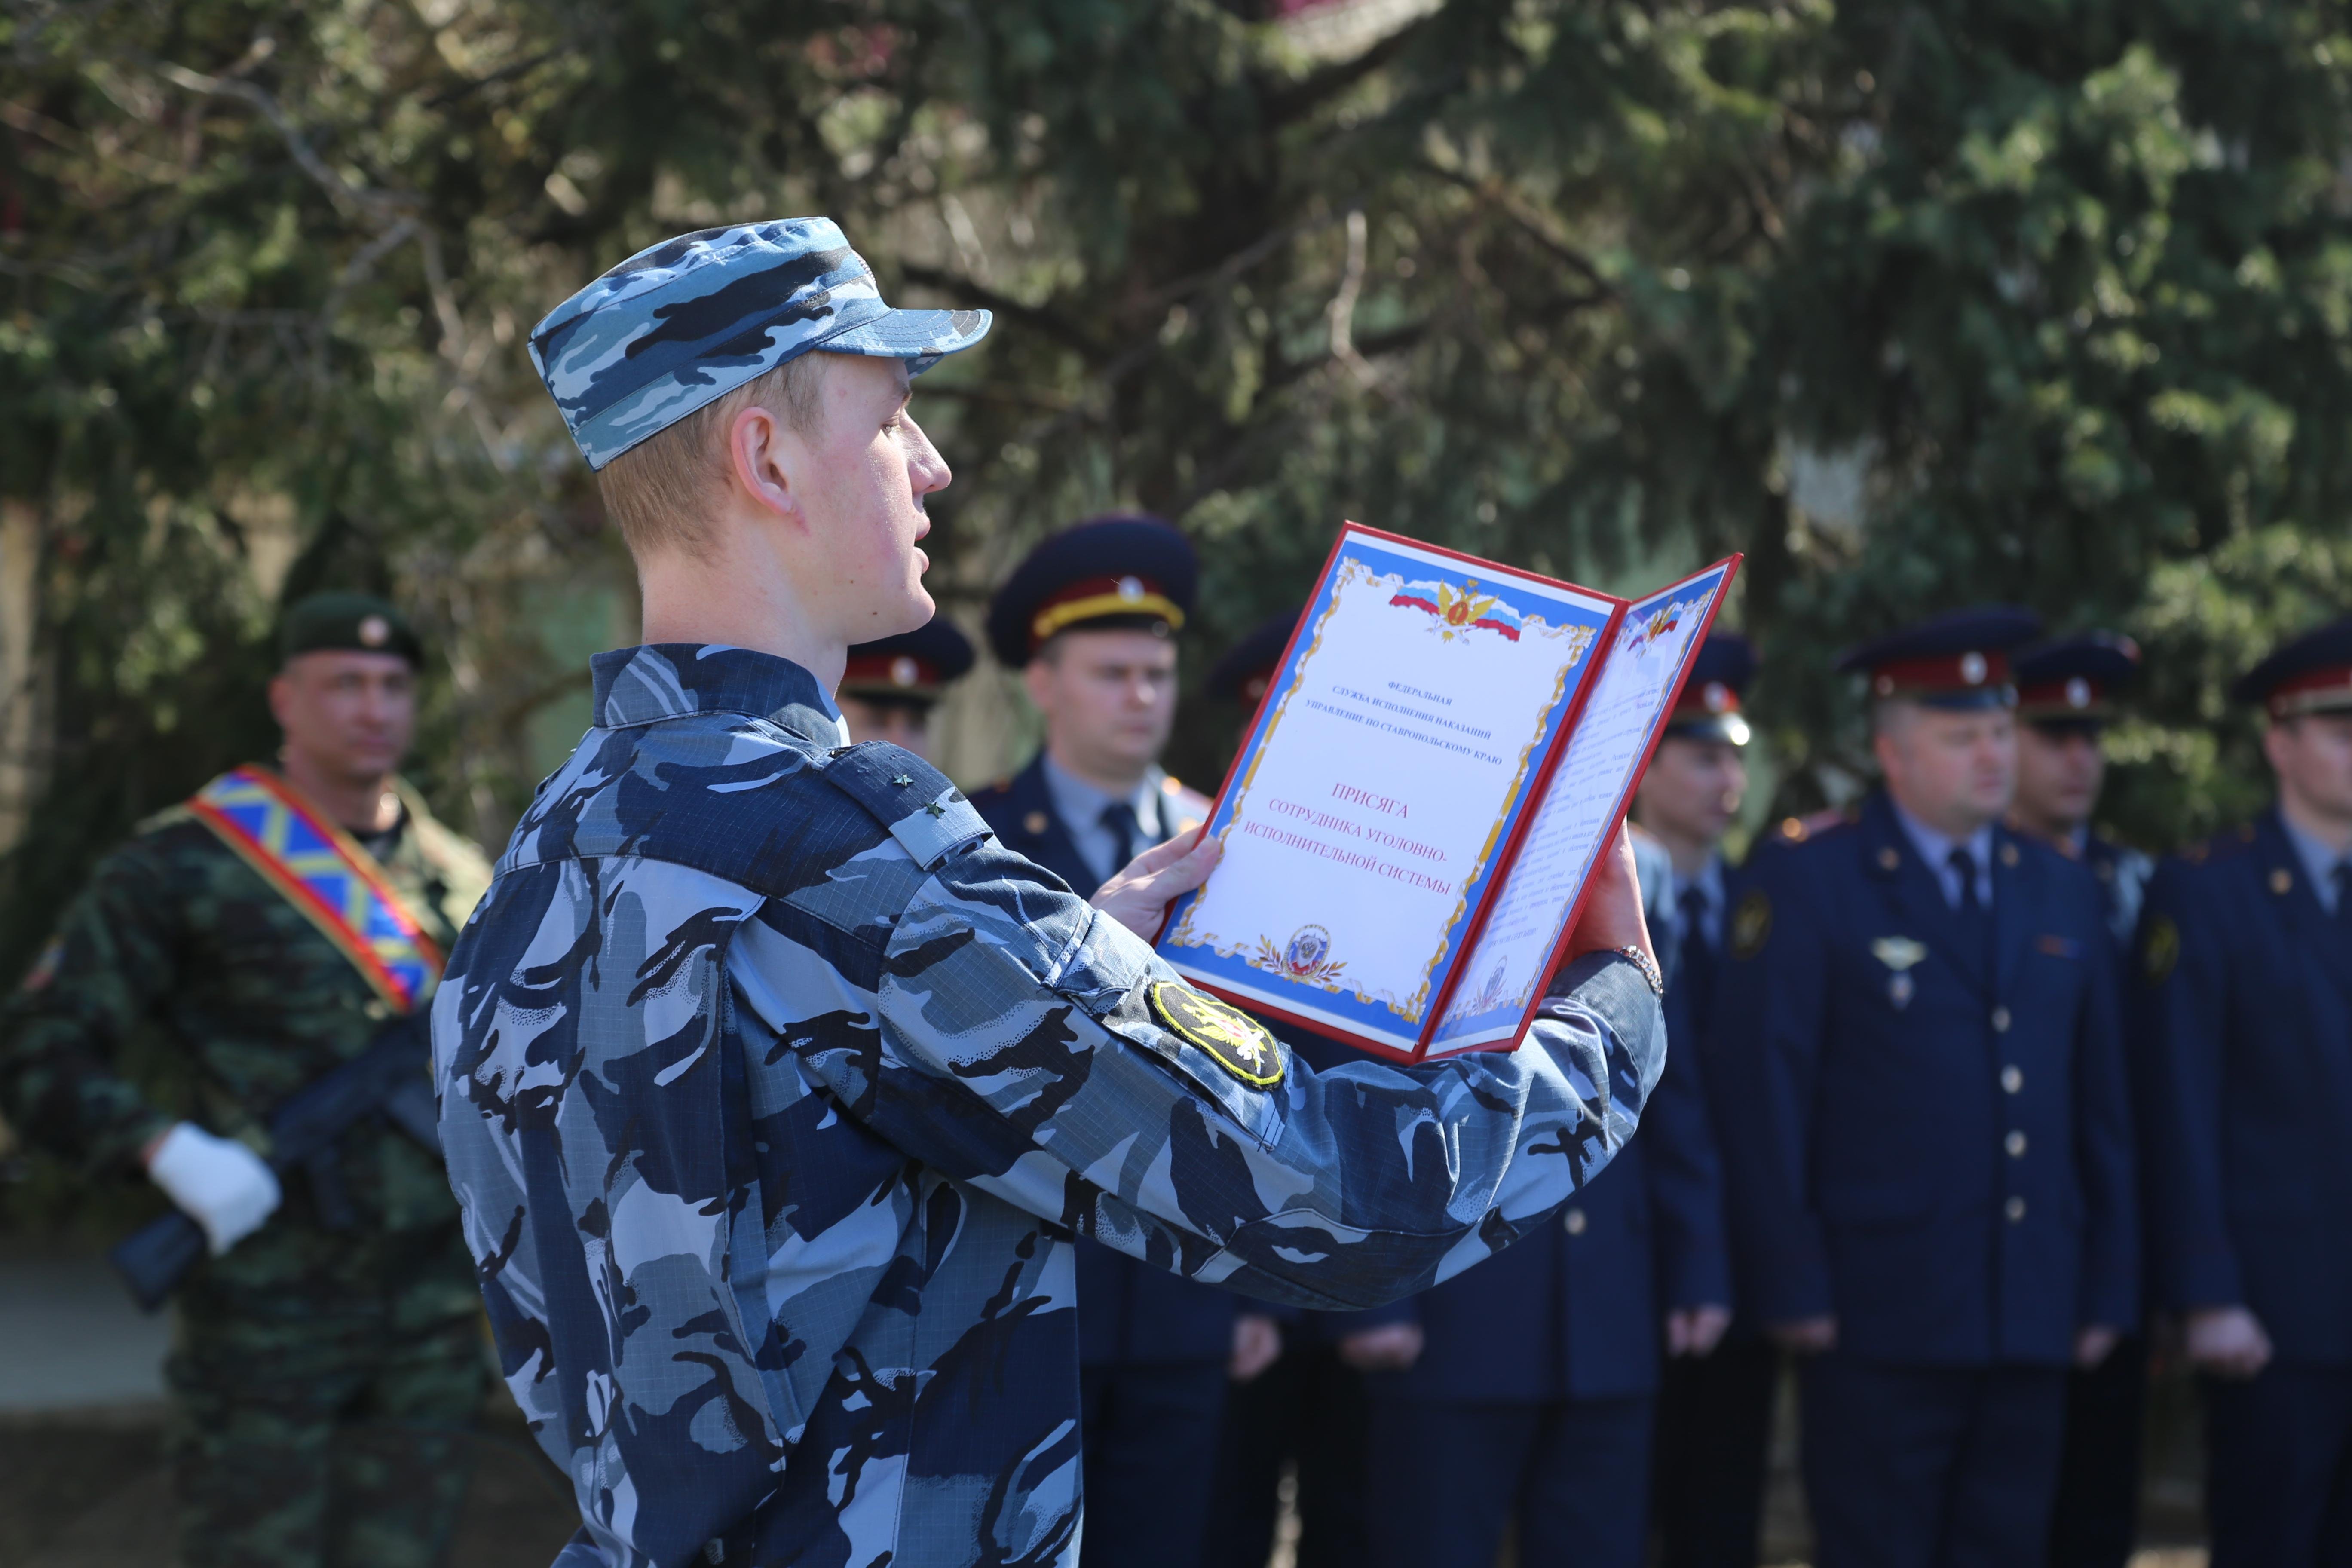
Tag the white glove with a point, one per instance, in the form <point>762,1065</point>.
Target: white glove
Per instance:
<point>219,1183</point>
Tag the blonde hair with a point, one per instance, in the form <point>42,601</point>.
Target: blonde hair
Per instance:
<point>658,492</point>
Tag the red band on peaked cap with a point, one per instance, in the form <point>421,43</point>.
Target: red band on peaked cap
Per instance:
<point>1705,699</point>
<point>1102,598</point>
<point>1975,669</point>
<point>2076,697</point>
<point>896,673</point>
<point>2319,691</point>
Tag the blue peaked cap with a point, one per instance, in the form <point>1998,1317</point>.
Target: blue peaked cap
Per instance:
<point>688,321</point>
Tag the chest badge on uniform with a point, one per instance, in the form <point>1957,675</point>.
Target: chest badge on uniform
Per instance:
<point>1239,1043</point>
<point>1899,953</point>
<point>1752,925</point>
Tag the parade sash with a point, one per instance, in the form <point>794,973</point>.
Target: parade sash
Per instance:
<point>322,871</point>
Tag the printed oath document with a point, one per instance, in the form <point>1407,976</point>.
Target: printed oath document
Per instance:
<point>1444,752</point>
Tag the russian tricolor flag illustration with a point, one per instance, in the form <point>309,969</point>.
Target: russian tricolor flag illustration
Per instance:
<point>1458,608</point>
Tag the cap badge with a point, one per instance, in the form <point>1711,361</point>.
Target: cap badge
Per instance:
<point>1130,588</point>
<point>2078,693</point>
<point>1884,685</point>
<point>375,631</point>
<point>1716,696</point>
<point>1972,667</point>
<point>904,672</point>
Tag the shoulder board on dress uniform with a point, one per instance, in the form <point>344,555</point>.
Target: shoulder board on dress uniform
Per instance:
<point>169,816</point>
<point>1814,825</point>
<point>2228,846</point>
<point>1192,807</point>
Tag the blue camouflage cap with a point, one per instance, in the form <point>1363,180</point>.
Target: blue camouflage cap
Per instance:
<point>691,319</point>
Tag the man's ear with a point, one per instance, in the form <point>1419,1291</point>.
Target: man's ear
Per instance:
<point>281,696</point>
<point>1037,676</point>
<point>2278,736</point>
<point>760,457</point>
<point>1882,746</point>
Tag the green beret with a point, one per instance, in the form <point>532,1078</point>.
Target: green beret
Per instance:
<point>361,622</point>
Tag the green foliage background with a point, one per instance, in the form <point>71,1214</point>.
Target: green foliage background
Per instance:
<point>2057,294</point>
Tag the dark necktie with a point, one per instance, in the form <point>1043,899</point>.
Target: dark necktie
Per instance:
<point>1695,972</point>
<point>1119,820</point>
<point>1974,922</point>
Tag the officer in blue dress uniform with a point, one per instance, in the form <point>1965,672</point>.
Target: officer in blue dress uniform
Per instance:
<point>2065,696</point>
<point>1525,1389</point>
<point>1716,1389</point>
<point>1308,1410</point>
<point>1089,619</point>
<point>1917,1018</point>
<point>2245,1011</point>
<point>889,686</point>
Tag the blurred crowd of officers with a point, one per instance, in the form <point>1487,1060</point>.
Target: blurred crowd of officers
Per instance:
<point>1966,1109</point>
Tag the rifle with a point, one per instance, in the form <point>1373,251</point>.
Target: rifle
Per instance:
<point>390,1080</point>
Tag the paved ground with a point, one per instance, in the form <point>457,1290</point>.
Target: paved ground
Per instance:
<point>69,1336</point>
<point>93,1492</point>
<point>83,1482</point>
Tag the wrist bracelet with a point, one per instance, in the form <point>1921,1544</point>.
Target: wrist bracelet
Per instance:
<point>1648,966</point>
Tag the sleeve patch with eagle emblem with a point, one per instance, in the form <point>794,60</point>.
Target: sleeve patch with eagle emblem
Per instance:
<point>1237,1042</point>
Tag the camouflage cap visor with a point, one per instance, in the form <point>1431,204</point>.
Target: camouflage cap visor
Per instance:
<point>685,322</point>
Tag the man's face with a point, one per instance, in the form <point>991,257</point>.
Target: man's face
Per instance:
<point>350,714</point>
<point>868,471</point>
<point>2060,768</point>
<point>1693,788</point>
<point>2313,757</point>
<point>899,723</point>
<point>1108,697</point>
<point>1953,771</point>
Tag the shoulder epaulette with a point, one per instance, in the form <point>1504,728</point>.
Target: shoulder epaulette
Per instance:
<point>1192,807</point>
<point>919,804</point>
<point>169,816</point>
<point>2226,846</point>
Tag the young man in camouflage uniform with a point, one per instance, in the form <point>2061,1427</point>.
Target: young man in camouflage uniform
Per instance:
<point>323,1378</point>
<point>775,1089</point>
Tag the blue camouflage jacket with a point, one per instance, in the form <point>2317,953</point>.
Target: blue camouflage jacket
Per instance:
<point>774,1090</point>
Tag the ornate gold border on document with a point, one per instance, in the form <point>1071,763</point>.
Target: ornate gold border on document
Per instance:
<point>1353,570</point>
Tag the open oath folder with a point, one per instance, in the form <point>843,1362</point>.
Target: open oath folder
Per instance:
<point>1442,756</point>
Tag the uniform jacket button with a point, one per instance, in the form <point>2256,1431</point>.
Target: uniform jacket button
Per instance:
<point>2011,1080</point>
<point>2000,1020</point>
<point>1573,1222</point>
<point>2015,1144</point>
<point>2014,1209</point>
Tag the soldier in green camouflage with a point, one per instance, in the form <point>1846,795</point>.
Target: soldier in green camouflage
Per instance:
<point>322,1375</point>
